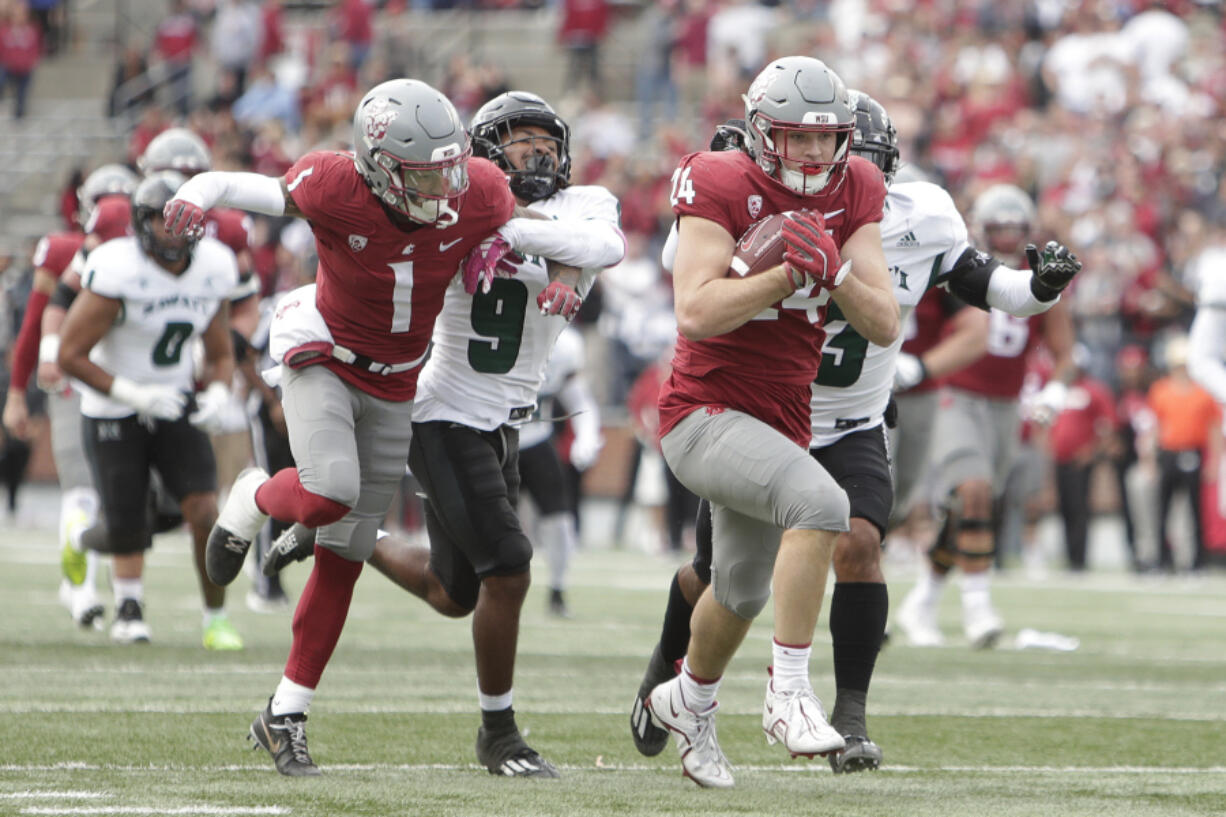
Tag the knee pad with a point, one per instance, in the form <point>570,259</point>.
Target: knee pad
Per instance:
<point>746,590</point>
<point>318,511</point>
<point>514,554</point>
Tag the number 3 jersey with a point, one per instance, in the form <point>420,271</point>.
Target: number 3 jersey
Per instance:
<point>161,312</point>
<point>490,350</point>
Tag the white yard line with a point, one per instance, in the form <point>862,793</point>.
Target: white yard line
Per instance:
<point>222,810</point>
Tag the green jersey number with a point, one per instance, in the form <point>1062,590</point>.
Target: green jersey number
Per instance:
<point>498,316</point>
<point>843,355</point>
<point>169,348</point>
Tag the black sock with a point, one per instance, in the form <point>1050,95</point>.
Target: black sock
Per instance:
<point>675,637</point>
<point>858,613</point>
<point>498,721</point>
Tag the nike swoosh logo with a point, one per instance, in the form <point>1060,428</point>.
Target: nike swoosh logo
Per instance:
<point>274,745</point>
<point>443,246</point>
<point>833,213</point>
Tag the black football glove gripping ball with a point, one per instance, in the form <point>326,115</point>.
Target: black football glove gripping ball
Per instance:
<point>1053,268</point>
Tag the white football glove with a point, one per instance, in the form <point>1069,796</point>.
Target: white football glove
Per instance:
<point>584,450</point>
<point>212,406</point>
<point>909,372</point>
<point>156,400</point>
<point>1049,402</point>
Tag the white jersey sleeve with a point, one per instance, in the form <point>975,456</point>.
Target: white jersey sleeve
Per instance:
<point>923,234</point>
<point>1207,337</point>
<point>490,349</point>
<point>161,313</point>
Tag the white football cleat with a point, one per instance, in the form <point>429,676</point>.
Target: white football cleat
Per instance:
<point>796,719</point>
<point>694,733</point>
<point>918,622</point>
<point>983,625</point>
<point>129,626</point>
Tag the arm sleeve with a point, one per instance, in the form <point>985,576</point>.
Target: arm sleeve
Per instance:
<point>982,281</point>
<point>63,296</point>
<point>592,243</point>
<point>25,353</point>
<point>1207,340</point>
<point>246,191</point>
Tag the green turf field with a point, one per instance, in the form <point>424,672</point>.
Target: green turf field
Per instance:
<point>1133,722</point>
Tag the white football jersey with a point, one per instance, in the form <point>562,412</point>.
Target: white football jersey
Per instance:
<point>489,350</point>
<point>923,235</point>
<point>161,313</point>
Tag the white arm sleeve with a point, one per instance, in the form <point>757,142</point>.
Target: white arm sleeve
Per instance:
<point>581,405</point>
<point>1009,291</point>
<point>587,244</point>
<point>246,191</point>
<point>1206,345</point>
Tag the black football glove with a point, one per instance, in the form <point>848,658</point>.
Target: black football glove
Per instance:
<point>1053,268</point>
<point>730,136</point>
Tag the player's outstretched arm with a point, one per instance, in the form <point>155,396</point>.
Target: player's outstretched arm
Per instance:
<point>254,192</point>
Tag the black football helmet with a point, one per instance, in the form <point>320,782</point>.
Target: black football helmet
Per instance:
<point>147,204</point>
<point>875,138</point>
<point>491,128</point>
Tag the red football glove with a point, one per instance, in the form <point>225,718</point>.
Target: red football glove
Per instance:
<point>183,218</point>
<point>559,299</point>
<point>811,255</point>
<point>491,257</point>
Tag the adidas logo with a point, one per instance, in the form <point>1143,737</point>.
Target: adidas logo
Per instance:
<point>908,240</point>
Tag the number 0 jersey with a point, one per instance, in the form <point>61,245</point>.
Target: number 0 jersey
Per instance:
<point>161,312</point>
<point>923,235</point>
<point>490,350</point>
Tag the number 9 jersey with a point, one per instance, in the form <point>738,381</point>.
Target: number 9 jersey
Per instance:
<point>161,313</point>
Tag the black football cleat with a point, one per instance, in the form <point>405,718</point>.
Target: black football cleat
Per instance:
<point>859,755</point>
<point>284,737</point>
<point>507,755</point>
<point>295,543</point>
<point>649,738</point>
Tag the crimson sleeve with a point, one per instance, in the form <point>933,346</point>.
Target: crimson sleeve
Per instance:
<point>25,353</point>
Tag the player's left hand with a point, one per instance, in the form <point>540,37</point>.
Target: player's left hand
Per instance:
<point>183,218</point>
<point>211,405</point>
<point>584,450</point>
<point>811,252</point>
<point>492,257</point>
<point>1053,268</point>
<point>559,299</point>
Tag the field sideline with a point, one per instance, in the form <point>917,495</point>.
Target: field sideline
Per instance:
<point>1132,723</point>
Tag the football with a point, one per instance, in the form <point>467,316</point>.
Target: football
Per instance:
<point>760,247</point>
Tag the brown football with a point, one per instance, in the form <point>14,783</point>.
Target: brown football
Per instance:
<point>760,247</point>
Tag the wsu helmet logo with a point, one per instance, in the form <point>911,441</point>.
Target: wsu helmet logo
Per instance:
<point>378,118</point>
<point>754,204</point>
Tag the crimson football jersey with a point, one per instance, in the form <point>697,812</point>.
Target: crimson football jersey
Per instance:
<point>379,286</point>
<point>763,367</point>
<point>53,253</point>
<point>926,327</point>
<point>229,226</point>
<point>999,374</point>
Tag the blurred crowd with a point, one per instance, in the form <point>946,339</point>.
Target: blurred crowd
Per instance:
<point>1109,113</point>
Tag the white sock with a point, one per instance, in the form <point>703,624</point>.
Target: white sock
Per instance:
<point>211,614</point>
<point>790,665</point>
<point>291,698</point>
<point>494,703</point>
<point>128,589</point>
<point>976,589</point>
<point>697,696</point>
<point>929,586</point>
<point>381,534</point>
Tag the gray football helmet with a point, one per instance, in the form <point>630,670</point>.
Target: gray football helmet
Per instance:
<point>875,138</point>
<point>147,204</point>
<point>1002,219</point>
<point>412,150</point>
<point>491,127</point>
<point>176,149</point>
<point>107,180</point>
<point>798,94</point>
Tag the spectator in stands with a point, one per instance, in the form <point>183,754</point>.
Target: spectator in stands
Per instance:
<point>235,40</point>
<point>1186,415</point>
<point>21,48</point>
<point>352,22</point>
<point>265,99</point>
<point>1082,434</point>
<point>272,25</point>
<point>330,100</point>
<point>51,17</point>
<point>583,27</point>
<point>174,44</point>
<point>131,67</point>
